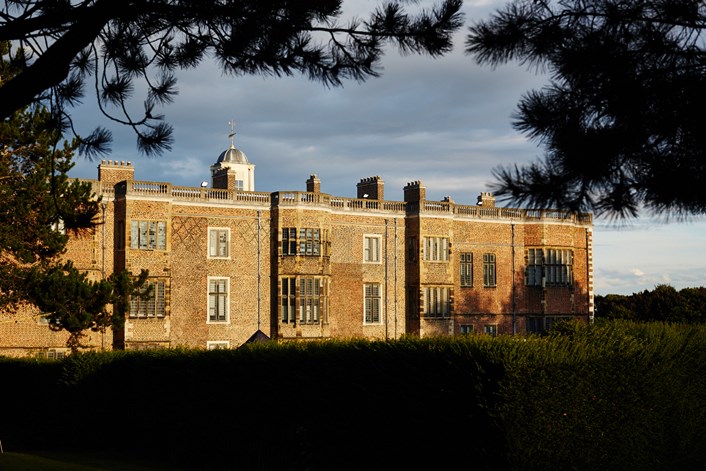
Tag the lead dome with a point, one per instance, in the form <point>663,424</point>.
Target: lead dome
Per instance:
<point>233,155</point>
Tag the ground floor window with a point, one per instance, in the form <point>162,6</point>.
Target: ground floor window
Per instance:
<point>490,329</point>
<point>437,301</point>
<point>218,299</point>
<point>467,329</point>
<point>150,302</point>
<point>373,302</point>
<point>539,324</point>
<point>303,300</point>
<point>217,344</point>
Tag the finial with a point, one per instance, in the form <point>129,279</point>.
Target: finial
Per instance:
<point>231,135</point>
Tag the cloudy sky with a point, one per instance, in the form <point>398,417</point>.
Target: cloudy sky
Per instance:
<point>446,122</point>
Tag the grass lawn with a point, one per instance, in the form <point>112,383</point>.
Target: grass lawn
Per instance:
<point>52,461</point>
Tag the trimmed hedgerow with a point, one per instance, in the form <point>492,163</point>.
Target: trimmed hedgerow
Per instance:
<point>611,396</point>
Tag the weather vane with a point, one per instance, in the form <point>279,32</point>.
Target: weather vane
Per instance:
<point>231,135</point>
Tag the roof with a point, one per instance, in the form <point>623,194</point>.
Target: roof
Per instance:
<point>233,155</point>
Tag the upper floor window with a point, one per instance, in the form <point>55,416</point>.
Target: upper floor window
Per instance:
<point>149,303</point>
<point>437,301</point>
<point>305,241</point>
<point>489,280</point>
<point>466,270</point>
<point>549,267</point>
<point>218,299</point>
<point>148,235</point>
<point>239,185</point>
<point>371,248</point>
<point>218,242</point>
<point>373,303</point>
<point>436,249</point>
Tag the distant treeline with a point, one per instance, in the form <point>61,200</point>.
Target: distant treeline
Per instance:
<point>663,304</point>
<point>616,395</point>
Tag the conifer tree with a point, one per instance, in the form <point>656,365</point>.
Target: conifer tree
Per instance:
<point>39,207</point>
<point>111,48</point>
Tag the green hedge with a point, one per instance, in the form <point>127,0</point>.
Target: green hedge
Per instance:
<point>612,396</point>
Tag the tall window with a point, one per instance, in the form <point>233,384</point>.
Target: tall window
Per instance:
<point>218,243</point>
<point>289,294</point>
<point>412,302</point>
<point>310,297</point>
<point>289,241</point>
<point>148,235</point>
<point>437,302</point>
<point>371,248</point>
<point>436,249</point>
<point>373,302</point>
<point>239,185</point>
<point>307,243</point>
<point>412,249</point>
<point>549,267</point>
<point>149,303</point>
<point>466,270</point>
<point>218,299</point>
<point>489,270</point>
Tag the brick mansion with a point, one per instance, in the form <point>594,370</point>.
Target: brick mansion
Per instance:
<point>228,264</point>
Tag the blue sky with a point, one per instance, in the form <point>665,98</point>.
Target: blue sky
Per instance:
<point>446,122</point>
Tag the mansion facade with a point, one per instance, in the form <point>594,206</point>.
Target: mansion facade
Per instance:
<point>228,264</point>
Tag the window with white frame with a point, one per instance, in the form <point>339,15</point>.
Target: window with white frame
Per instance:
<point>150,302</point>
<point>53,354</point>
<point>218,299</point>
<point>371,248</point>
<point>217,344</point>
<point>288,299</point>
<point>489,280</point>
<point>218,242</point>
<point>239,185</point>
<point>466,269</point>
<point>436,249</point>
<point>490,329</point>
<point>148,235</point>
<point>549,267</point>
<point>437,301</point>
<point>373,303</point>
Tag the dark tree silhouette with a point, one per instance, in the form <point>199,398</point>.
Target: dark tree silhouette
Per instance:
<point>622,116</point>
<point>66,47</point>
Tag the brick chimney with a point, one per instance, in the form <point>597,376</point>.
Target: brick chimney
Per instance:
<point>486,199</point>
<point>415,192</point>
<point>372,188</point>
<point>313,184</point>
